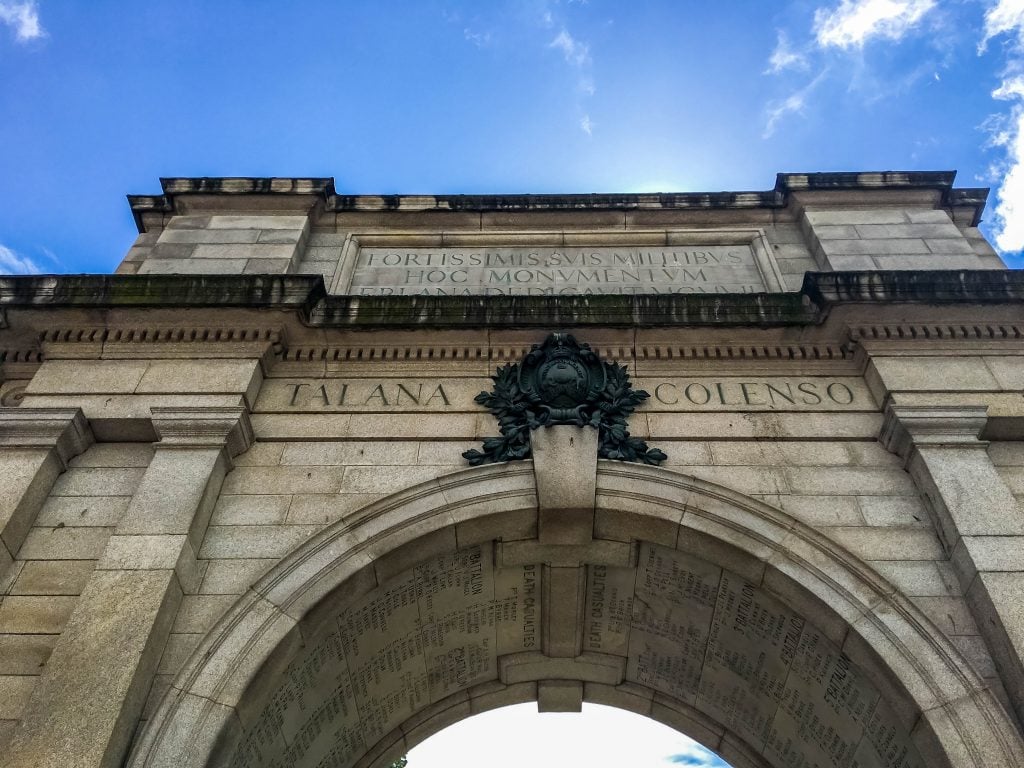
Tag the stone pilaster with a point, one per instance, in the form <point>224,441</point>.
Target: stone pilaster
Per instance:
<point>87,702</point>
<point>978,519</point>
<point>35,447</point>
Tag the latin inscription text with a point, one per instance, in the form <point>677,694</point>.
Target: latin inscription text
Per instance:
<point>556,271</point>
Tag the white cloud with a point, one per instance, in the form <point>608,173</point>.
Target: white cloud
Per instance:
<point>23,17</point>
<point>1009,207</point>
<point>1006,131</point>
<point>855,22</point>
<point>794,103</point>
<point>575,52</point>
<point>1004,16</point>
<point>785,57</point>
<point>586,126</point>
<point>13,264</point>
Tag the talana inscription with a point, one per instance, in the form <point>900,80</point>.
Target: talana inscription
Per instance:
<point>705,393</point>
<point>546,270</point>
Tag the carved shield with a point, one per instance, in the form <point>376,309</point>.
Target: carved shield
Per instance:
<point>561,377</point>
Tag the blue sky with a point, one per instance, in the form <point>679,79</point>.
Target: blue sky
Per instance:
<point>99,99</point>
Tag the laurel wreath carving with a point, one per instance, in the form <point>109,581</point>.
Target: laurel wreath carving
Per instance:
<point>518,413</point>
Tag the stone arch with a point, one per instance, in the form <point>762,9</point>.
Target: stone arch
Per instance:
<point>943,710</point>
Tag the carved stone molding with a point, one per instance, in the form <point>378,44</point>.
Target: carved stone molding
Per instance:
<point>973,331</point>
<point>66,430</point>
<point>199,427</point>
<point>145,341</point>
<point>906,427</point>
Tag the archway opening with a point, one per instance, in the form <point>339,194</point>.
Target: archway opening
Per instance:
<point>598,737</point>
<point>693,605</point>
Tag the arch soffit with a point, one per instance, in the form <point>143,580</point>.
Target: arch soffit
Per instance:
<point>911,662</point>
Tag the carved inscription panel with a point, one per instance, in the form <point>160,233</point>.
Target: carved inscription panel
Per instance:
<point>696,393</point>
<point>685,627</point>
<point>436,629</point>
<point>545,270</point>
<point>710,638</point>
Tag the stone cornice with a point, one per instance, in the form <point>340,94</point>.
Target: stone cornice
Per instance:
<point>306,296</point>
<point>202,427</point>
<point>158,291</point>
<point>777,197</point>
<point>66,430</point>
<point>933,286</point>
<point>907,427</point>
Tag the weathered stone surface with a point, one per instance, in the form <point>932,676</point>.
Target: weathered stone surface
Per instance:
<point>565,467</point>
<point>44,577</point>
<point>25,654</point>
<point>80,712</point>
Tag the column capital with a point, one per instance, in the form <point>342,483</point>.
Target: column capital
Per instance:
<point>906,427</point>
<point>66,430</point>
<point>204,427</point>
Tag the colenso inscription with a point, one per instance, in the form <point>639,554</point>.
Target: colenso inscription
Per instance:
<point>777,393</point>
<point>556,271</point>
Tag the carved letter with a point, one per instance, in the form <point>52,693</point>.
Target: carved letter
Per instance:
<point>377,393</point>
<point>415,398</point>
<point>658,396</point>
<point>808,388</point>
<point>847,393</point>
<point>701,388</point>
<point>295,392</point>
<point>787,395</point>
<point>439,392</point>
<point>324,397</point>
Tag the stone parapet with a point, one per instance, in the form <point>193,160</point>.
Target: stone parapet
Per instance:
<point>841,221</point>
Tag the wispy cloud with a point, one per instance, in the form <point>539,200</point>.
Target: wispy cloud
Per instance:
<point>1006,131</point>
<point>23,18</point>
<point>548,27</point>
<point>1004,16</point>
<point>479,39</point>
<point>785,56</point>
<point>835,41</point>
<point>794,103</point>
<point>575,52</point>
<point>577,55</point>
<point>855,22</point>
<point>13,264</point>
